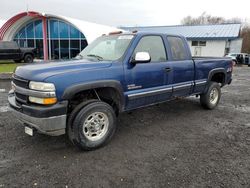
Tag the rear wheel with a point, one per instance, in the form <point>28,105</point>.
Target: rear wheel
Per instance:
<point>28,58</point>
<point>93,126</point>
<point>211,98</point>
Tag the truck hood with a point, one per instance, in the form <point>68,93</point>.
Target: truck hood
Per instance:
<point>42,70</point>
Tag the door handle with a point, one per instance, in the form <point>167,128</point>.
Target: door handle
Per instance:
<point>167,69</point>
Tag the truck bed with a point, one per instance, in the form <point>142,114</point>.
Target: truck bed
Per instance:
<point>203,66</point>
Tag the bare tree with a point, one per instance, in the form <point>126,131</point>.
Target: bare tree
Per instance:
<point>205,18</point>
<point>245,35</point>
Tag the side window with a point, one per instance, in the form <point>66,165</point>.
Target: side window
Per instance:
<point>154,46</point>
<point>12,45</point>
<point>177,48</point>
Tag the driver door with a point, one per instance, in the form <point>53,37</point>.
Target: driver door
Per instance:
<point>146,82</point>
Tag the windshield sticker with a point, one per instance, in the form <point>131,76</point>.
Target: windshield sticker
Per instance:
<point>125,37</point>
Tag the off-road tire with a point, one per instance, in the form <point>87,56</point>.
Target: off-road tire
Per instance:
<point>206,99</point>
<point>28,58</point>
<point>76,121</point>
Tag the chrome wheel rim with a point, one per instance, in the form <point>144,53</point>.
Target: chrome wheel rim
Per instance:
<point>29,59</point>
<point>95,126</point>
<point>214,96</point>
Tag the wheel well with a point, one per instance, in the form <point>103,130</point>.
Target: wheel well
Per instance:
<point>218,77</point>
<point>106,94</point>
<point>28,53</point>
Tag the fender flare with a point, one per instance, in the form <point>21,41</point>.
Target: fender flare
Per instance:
<point>72,90</point>
<point>217,70</point>
<point>27,53</point>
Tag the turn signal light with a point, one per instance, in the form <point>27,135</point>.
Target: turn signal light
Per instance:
<point>49,101</point>
<point>44,101</point>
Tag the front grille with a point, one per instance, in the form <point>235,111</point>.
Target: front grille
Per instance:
<point>21,98</point>
<point>20,82</point>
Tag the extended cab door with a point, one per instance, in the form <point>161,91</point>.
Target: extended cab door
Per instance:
<point>146,82</point>
<point>181,65</point>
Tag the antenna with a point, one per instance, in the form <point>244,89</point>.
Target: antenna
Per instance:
<point>27,6</point>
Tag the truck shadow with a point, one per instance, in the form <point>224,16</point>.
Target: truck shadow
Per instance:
<point>168,111</point>
<point>143,119</point>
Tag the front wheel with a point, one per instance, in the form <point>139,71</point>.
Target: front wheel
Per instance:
<point>93,126</point>
<point>211,98</point>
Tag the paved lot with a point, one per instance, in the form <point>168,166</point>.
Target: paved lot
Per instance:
<point>175,144</point>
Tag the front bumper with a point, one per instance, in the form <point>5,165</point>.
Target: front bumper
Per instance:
<point>49,120</point>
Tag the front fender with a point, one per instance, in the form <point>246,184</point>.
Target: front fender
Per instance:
<point>72,90</point>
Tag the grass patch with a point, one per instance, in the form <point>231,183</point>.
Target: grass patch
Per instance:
<point>6,62</point>
<point>8,66</point>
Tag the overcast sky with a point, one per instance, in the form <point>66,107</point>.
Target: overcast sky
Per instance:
<point>129,12</point>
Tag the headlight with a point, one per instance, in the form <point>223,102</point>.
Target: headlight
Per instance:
<point>42,86</point>
<point>47,88</point>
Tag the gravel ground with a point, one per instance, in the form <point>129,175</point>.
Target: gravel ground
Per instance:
<point>175,144</point>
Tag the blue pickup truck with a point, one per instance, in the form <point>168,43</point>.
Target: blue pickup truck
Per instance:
<point>116,73</point>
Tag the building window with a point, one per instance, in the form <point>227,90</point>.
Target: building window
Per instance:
<point>195,43</point>
<point>64,40</point>
<point>202,43</point>
<point>199,43</point>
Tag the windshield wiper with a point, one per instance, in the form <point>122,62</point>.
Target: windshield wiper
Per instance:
<point>96,56</point>
<point>79,56</point>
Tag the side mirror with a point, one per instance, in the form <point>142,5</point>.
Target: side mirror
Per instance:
<point>141,57</point>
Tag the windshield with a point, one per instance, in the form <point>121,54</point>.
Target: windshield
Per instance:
<point>107,48</point>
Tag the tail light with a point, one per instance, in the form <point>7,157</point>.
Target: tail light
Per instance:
<point>231,67</point>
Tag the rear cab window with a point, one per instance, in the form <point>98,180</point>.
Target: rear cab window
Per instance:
<point>177,48</point>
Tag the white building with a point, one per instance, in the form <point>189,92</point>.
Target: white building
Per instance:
<point>204,40</point>
<point>54,36</point>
